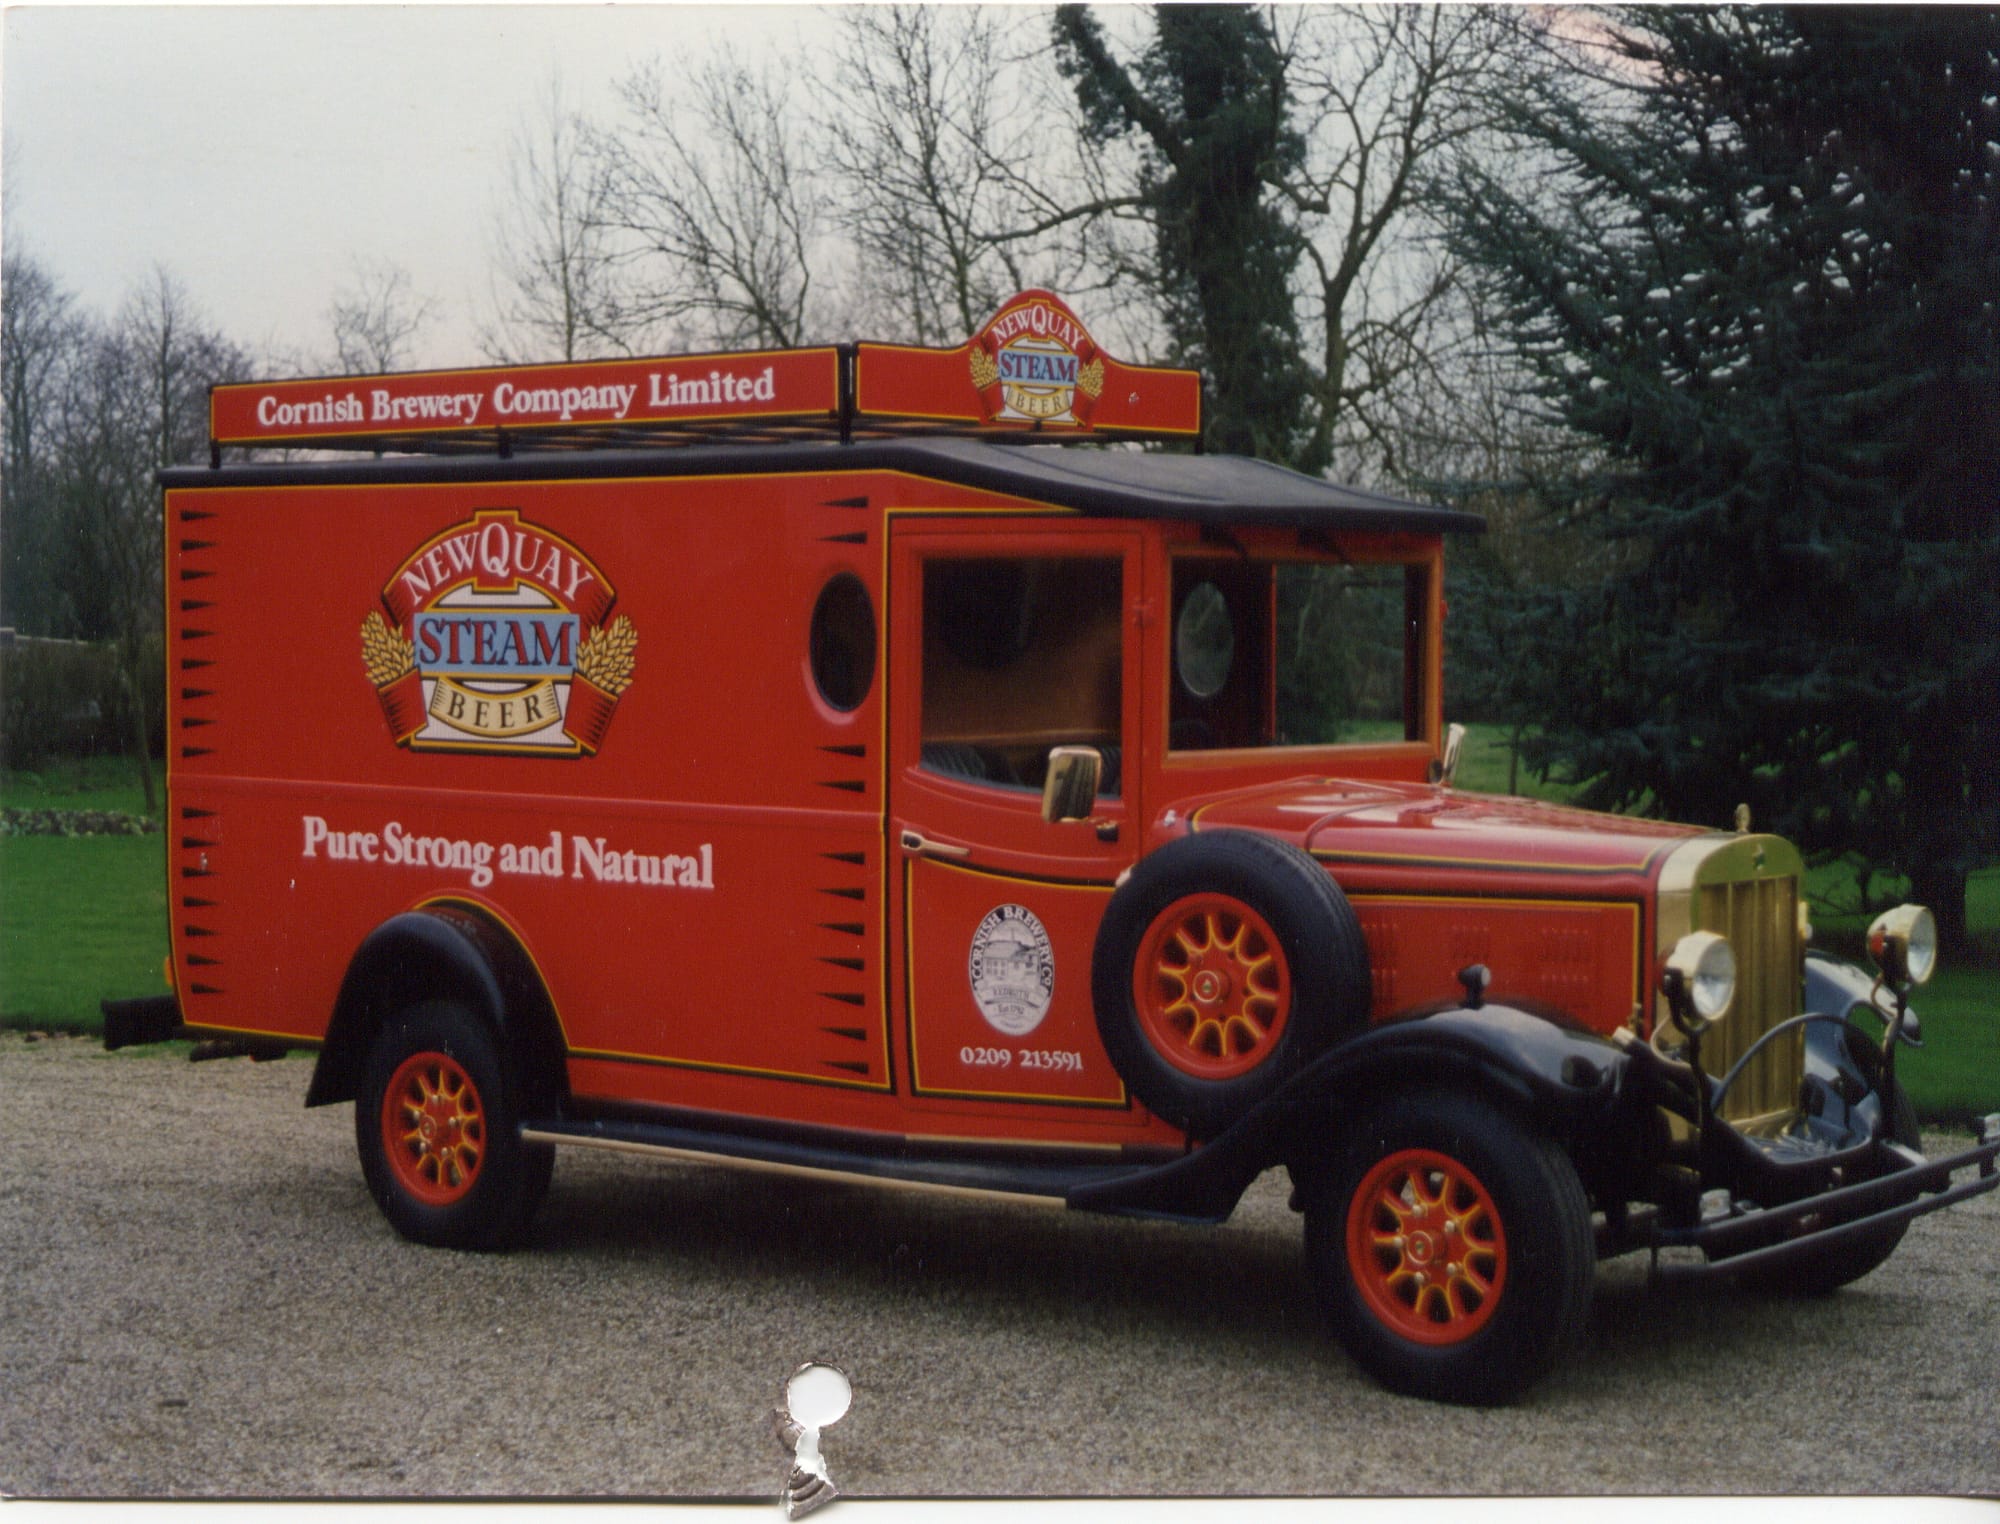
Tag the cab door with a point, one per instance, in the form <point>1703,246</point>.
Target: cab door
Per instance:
<point>1007,646</point>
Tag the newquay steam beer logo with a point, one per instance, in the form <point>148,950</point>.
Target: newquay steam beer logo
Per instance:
<point>1035,363</point>
<point>498,638</point>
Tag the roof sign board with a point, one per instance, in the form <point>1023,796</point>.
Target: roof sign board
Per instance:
<point>765,386</point>
<point>1033,368</point>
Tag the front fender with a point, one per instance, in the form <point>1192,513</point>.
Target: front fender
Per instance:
<point>1566,1081</point>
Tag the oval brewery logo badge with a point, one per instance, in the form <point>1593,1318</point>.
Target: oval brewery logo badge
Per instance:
<point>499,638</point>
<point>1013,970</point>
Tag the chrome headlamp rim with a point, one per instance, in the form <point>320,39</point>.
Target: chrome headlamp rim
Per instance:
<point>1903,942</point>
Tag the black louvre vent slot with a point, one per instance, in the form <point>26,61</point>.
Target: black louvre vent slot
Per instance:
<point>197,751</point>
<point>203,989</point>
<point>189,902</point>
<point>847,894</point>
<point>846,928</point>
<point>194,573</point>
<point>851,1068</point>
<point>194,842</point>
<point>196,960</point>
<point>848,785</point>
<point>194,515</point>
<point>846,502</point>
<point>189,663</point>
<point>189,605</point>
<point>196,873</point>
<point>189,812</point>
<point>856,964</point>
<point>844,999</point>
<point>194,722</point>
<point>852,1034</point>
<point>196,634</point>
<point>846,751</point>
<point>196,693</point>
<point>859,859</point>
<point>859,537</point>
<point>197,544</point>
<point>196,931</point>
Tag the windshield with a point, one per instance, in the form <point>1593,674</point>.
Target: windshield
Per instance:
<point>1297,652</point>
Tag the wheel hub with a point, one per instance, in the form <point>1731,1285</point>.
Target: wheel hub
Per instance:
<point>1425,1247</point>
<point>433,1128</point>
<point>1211,987</point>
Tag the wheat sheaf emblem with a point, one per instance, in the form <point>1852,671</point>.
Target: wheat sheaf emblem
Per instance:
<point>385,653</point>
<point>985,369</point>
<point>608,655</point>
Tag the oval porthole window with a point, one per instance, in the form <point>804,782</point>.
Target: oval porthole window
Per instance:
<point>1204,641</point>
<point>843,642</point>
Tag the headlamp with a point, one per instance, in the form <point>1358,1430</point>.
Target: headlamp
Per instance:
<point>1699,981</point>
<point>1903,943</point>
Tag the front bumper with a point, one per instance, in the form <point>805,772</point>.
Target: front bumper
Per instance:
<point>1738,1236</point>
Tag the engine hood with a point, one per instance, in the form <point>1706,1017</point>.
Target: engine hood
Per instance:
<point>1393,826</point>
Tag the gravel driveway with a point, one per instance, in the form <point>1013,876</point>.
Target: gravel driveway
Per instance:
<point>200,1298</point>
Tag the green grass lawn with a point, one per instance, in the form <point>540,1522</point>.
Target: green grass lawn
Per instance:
<point>81,919</point>
<point>82,783</point>
<point>1955,1076</point>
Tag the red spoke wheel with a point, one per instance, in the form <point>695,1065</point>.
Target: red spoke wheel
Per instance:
<point>1425,1247</point>
<point>438,1129</point>
<point>1224,962</point>
<point>1451,1247</point>
<point>433,1128</point>
<point>1212,986</point>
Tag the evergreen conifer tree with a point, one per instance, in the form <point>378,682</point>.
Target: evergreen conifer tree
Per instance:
<point>1208,104</point>
<point>1754,255</point>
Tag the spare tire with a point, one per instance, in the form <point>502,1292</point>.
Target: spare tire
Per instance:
<point>1225,962</point>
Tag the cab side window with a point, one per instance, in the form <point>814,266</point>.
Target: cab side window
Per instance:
<point>1021,655</point>
<point>1296,653</point>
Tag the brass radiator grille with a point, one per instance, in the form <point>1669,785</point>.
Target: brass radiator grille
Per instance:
<point>1760,919</point>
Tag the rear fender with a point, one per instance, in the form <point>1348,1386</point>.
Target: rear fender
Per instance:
<point>443,952</point>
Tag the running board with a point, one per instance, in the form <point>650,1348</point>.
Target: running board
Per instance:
<point>1045,1184</point>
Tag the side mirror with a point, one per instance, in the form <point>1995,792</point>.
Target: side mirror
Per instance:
<point>1446,767</point>
<point>1069,792</point>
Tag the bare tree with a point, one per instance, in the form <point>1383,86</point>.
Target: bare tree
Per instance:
<point>953,194</point>
<point>719,206</point>
<point>1387,99</point>
<point>41,338</point>
<point>136,400</point>
<point>555,291</point>
<point>716,213</point>
<point>377,321</point>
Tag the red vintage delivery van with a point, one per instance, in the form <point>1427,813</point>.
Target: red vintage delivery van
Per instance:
<point>926,766</point>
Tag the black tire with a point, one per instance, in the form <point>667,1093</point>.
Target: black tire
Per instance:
<point>442,1154</point>
<point>1237,1050</point>
<point>1498,1315</point>
<point>1836,1266</point>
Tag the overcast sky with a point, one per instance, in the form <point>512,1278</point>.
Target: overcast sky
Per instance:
<point>257,151</point>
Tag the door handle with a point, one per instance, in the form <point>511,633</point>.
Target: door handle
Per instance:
<point>916,843</point>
